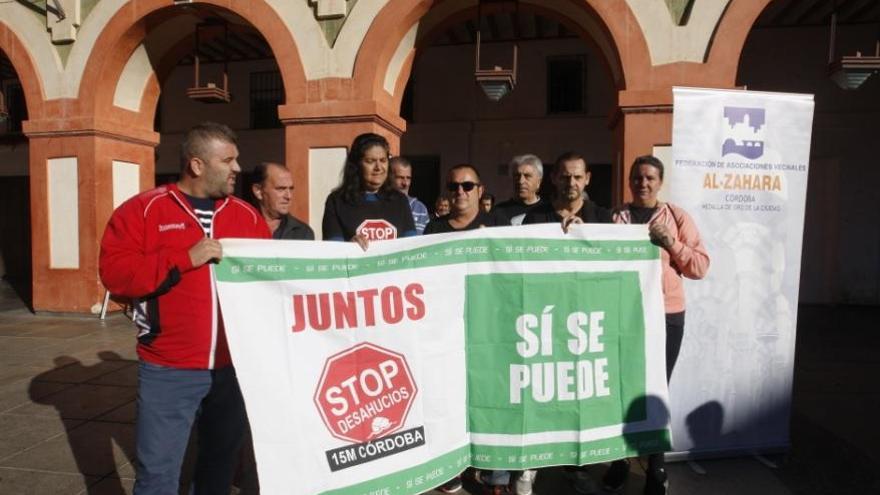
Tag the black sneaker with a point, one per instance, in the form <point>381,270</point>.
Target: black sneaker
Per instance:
<point>616,476</point>
<point>656,482</point>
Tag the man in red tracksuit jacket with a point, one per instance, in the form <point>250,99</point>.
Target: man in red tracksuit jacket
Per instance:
<point>158,250</point>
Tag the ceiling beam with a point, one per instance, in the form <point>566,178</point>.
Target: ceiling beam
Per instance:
<point>493,26</point>
<point>780,17</point>
<point>840,7</point>
<point>210,52</point>
<point>815,7</point>
<point>259,41</point>
<point>794,9</point>
<point>227,47</point>
<point>856,10</point>
<point>241,42</point>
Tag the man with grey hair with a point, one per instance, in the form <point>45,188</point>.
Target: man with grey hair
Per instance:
<point>526,172</point>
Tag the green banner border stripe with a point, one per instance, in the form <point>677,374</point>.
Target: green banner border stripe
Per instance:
<point>571,453</point>
<point>416,479</point>
<point>450,464</point>
<point>243,269</point>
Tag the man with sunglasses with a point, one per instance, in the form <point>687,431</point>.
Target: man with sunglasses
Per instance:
<point>464,190</point>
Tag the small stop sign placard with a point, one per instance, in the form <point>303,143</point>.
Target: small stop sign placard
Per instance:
<point>365,393</point>
<point>377,230</point>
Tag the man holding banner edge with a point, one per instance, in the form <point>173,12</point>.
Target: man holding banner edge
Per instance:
<point>465,191</point>
<point>570,177</point>
<point>159,249</point>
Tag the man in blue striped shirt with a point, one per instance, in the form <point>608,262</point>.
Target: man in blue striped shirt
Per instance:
<point>401,176</point>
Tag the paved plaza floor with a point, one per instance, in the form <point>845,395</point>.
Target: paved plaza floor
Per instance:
<point>68,386</point>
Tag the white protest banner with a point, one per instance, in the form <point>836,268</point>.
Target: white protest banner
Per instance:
<point>390,371</point>
<point>740,162</point>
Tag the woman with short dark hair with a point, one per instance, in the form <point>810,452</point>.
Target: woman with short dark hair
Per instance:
<point>682,254</point>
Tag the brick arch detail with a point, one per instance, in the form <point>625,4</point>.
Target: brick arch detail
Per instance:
<point>612,66</point>
<point>24,66</point>
<point>732,33</point>
<point>641,83</point>
<point>127,30</point>
<point>380,43</point>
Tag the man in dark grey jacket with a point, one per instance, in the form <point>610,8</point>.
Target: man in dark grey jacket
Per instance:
<point>273,190</point>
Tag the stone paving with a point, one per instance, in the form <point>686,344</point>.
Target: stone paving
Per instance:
<point>67,411</point>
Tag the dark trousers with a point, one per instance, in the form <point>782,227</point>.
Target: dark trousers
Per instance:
<point>169,402</point>
<point>674,336</point>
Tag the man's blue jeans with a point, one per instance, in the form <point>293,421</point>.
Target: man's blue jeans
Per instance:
<point>169,401</point>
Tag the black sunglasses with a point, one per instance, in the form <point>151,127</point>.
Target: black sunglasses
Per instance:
<point>468,186</point>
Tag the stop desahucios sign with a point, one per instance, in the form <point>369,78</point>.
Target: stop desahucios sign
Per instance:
<point>365,393</point>
<point>377,230</point>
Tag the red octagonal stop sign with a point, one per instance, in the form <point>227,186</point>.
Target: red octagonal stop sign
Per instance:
<point>377,230</point>
<point>365,392</point>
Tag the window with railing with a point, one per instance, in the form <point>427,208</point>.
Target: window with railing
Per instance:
<point>266,93</point>
<point>566,84</point>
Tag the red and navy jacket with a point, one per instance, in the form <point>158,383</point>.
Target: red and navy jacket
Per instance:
<point>145,257</point>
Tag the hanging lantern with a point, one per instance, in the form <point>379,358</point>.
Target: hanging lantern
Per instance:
<point>496,82</point>
<point>850,71</point>
<point>210,92</point>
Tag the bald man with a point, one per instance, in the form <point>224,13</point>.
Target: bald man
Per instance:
<point>273,190</point>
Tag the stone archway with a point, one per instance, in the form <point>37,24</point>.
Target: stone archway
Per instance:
<point>387,59</point>
<point>20,58</point>
<point>22,96</point>
<point>130,25</point>
<point>98,148</point>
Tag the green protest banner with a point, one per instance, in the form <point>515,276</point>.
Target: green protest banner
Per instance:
<point>393,370</point>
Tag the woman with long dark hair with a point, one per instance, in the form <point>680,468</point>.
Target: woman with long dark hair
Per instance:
<point>365,206</point>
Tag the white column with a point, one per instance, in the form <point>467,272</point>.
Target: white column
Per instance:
<point>126,181</point>
<point>325,173</point>
<point>63,193</point>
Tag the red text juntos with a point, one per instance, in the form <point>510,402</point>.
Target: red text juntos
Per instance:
<point>357,309</point>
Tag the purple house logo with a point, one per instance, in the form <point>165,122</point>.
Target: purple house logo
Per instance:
<point>744,126</point>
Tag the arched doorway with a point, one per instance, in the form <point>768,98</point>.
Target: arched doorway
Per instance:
<point>562,101</point>
<point>230,47</point>
<point>787,50</point>
<point>446,105</point>
<point>151,69</point>
<point>23,95</point>
<point>103,143</point>
<point>15,224</point>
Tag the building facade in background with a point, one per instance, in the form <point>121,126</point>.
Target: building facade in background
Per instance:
<point>97,99</point>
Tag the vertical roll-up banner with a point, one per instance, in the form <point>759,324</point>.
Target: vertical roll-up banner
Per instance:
<point>739,167</point>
